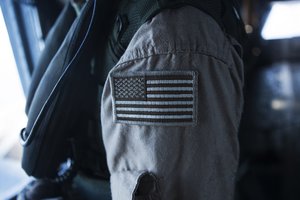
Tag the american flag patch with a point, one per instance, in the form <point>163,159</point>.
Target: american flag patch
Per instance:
<point>155,98</point>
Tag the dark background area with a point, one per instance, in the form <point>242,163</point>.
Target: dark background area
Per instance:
<point>270,129</point>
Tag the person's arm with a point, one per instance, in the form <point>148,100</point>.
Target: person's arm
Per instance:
<point>171,109</point>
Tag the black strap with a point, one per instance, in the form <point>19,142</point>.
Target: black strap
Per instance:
<point>54,110</point>
<point>51,92</point>
<point>53,42</point>
<point>211,7</point>
<point>222,11</point>
<point>232,20</point>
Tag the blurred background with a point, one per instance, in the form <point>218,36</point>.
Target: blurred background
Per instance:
<point>270,127</point>
<point>12,119</point>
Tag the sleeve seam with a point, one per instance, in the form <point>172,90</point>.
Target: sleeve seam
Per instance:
<point>169,53</point>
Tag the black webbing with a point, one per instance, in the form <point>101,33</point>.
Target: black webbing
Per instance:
<point>138,12</point>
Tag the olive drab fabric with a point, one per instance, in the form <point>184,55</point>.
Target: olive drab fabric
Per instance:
<point>171,109</point>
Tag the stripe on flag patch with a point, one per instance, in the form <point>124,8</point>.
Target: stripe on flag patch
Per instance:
<point>155,98</point>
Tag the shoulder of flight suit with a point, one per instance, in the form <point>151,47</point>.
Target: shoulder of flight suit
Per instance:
<point>170,111</point>
<point>175,31</point>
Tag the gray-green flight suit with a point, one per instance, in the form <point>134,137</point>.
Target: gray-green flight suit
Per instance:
<point>171,109</point>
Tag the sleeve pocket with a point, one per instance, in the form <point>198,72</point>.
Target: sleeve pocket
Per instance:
<point>134,185</point>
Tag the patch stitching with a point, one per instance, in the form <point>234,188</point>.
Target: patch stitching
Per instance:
<point>129,88</point>
<point>167,98</point>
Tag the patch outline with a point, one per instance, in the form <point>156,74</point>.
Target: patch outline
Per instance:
<point>194,75</point>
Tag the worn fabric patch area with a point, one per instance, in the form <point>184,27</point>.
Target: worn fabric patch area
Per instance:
<point>155,98</point>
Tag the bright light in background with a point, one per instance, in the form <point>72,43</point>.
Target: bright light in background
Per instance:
<point>12,119</point>
<point>283,21</point>
<point>12,100</point>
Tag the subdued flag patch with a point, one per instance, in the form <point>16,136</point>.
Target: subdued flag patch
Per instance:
<point>155,98</point>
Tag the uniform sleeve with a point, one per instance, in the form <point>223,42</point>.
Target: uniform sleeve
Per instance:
<point>171,109</point>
